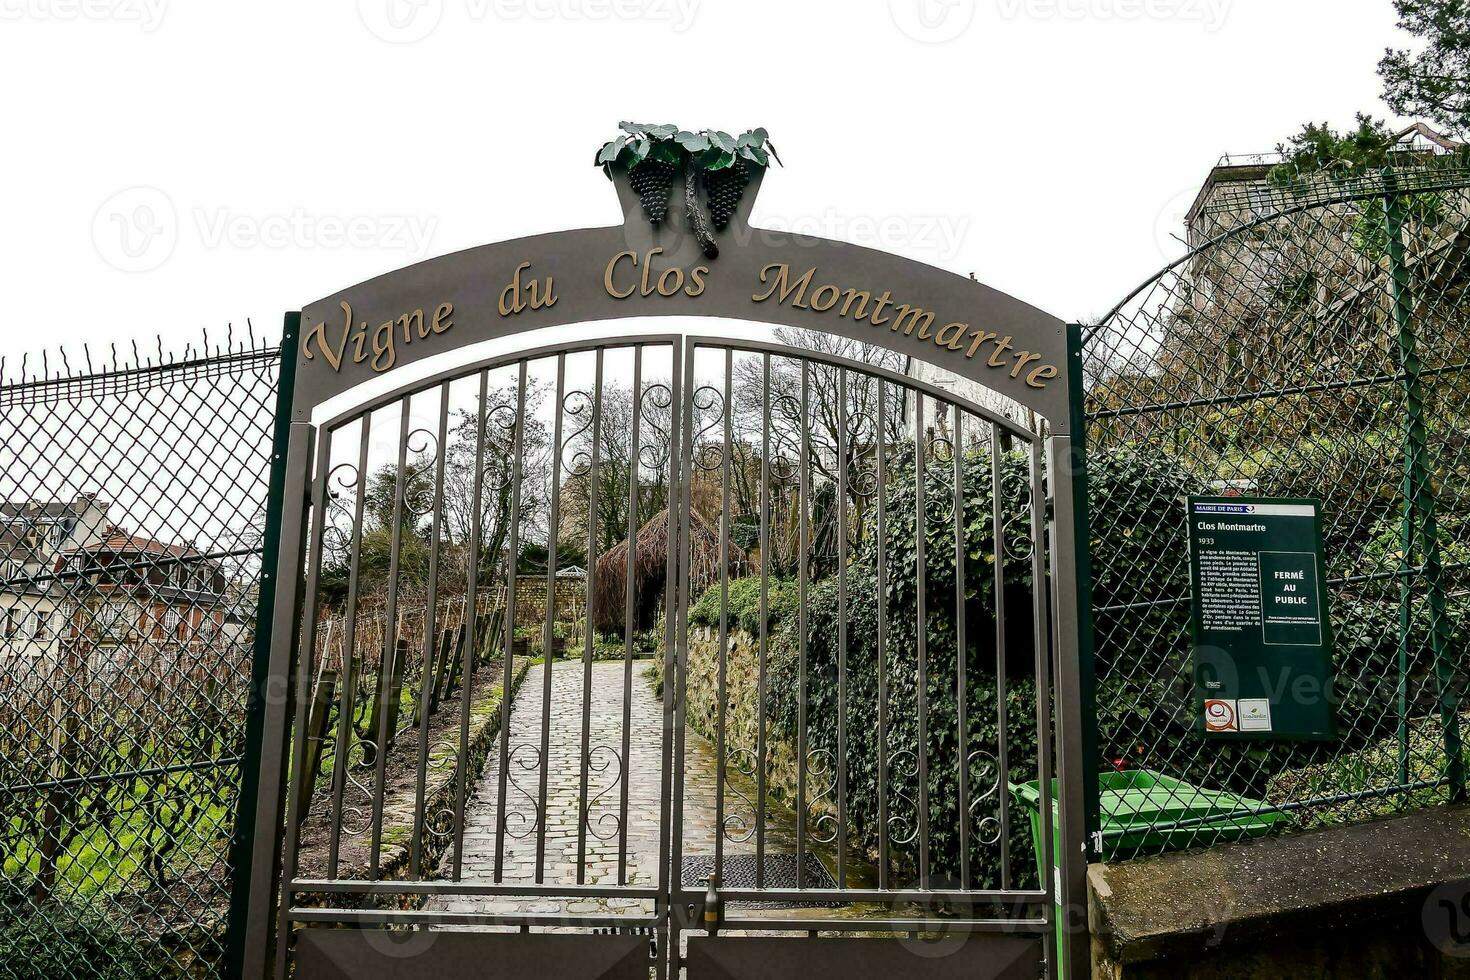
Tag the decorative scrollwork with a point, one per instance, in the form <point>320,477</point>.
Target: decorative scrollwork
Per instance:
<point>527,757</point>
<point>862,428</point>
<point>338,519</point>
<point>654,406</point>
<point>785,472</point>
<point>786,441</point>
<point>578,407</point>
<point>418,497</point>
<point>600,758</point>
<point>440,826</point>
<point>984,788</point>
<point>1016,539</point>
<point>739,822</point>
<point>820,766</point>
<point>500,461</point>
<point>709,409</point>
<point>789,406</point>
<point>355,820</point>
<point>862,478</point>
<point>941,448</point>
<point>903,826</point>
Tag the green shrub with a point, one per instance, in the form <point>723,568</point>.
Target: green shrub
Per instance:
<point>1357,475</point>
<point>57,939</point>
<point>862,729</point>
<point>1139,549</point>
<point>744,609</point>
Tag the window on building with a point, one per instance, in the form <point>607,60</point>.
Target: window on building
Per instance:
<point>107,616</point>
<point>171,621</point>
<point>40,622</point>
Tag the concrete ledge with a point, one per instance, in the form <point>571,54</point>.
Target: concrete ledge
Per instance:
<point>1336,902</point>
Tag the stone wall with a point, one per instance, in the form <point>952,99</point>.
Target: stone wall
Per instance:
<point>399,807</point>
<point>741,717</point>
<point>1386,898</point>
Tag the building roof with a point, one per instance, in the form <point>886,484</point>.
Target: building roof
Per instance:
<point>51,509</point>
<point>1419,133</point>
<point>1244,167</point>
<point>121,542</point>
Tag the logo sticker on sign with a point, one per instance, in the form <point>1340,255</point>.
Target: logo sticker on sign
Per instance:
<point>1220,715</point>
<point>1254,714</point>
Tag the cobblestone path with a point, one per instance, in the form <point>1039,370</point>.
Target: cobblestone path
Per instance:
<point>644,773</point>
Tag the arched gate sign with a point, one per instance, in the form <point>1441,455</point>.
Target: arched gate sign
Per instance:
<point>679,781</point>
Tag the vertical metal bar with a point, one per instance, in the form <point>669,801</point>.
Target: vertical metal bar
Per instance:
<point>921,641</point>
<point>548,635</point>
<point>1043,652</point>
<point>277,690</point>
<point>680,719</point>
<point>1075,686</point>
<point>300,792</point>
<point>301,697</point>
<point>1002,763</point>
<point>671,785</point>
<point>722,668</point>
<point>1073,569</point>
<point>843,451</point>
<point>512,553</point>
<point>277,694</point>
<point>630,610</point>
<point>431,627</point>
<point>348,706</point>
<point>471,629</point>
<point>248,930</point>
<point>583,815</point>
<point>1418,487</point>
<point>388,668</point>
<point>765,608</point>
<point>882,529</point>
<point>962,653</point>
<point>254,844</point>
<point>803,543</point>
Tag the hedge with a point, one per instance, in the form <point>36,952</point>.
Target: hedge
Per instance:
<point>1141,614</point>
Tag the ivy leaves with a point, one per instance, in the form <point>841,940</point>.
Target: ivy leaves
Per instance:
<point>710,149</point>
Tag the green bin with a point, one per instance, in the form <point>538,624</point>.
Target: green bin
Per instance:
<point>1147,812</point>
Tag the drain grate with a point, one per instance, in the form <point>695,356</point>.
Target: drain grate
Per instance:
<point>780,872</point>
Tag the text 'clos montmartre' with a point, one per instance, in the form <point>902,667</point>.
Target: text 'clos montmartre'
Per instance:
<point>630,275</point>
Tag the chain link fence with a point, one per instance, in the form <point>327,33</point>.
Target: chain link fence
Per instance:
<point>1312,343</point>
<point>132,503</point>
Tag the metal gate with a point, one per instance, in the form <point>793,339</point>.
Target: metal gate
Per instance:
<point>666,653</point>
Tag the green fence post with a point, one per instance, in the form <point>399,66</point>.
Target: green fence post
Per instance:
<point>243,842</point>
<point>1419,519</point>
<point>1082,534</point>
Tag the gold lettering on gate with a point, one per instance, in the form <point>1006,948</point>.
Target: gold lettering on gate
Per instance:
<point>533,294</point>
<point>669,282</point>
<point>631,275</point>
<point>801,291</point>
<point>378,346</point>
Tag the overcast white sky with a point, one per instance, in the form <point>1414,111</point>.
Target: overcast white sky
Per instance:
<point>176,165</point>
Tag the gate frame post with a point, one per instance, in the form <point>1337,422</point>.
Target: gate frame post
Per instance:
<point>1076,716</point>
<point>254,856</point>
